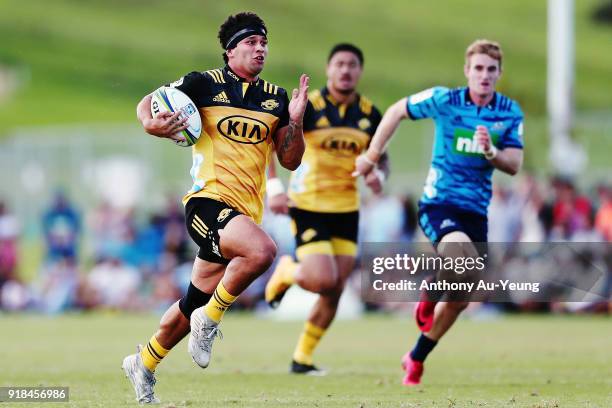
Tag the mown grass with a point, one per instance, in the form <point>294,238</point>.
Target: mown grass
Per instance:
<point>510,362</point>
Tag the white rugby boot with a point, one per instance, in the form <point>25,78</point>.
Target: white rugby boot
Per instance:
<point>141,378</point>
<point>203,333</point>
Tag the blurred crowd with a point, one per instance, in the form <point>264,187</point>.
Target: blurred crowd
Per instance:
<point>128,263</point>
<point>122,259</point>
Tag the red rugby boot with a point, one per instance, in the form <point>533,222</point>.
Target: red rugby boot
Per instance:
<point>413,369</point>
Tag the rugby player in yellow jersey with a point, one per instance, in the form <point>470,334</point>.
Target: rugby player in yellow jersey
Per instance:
<point>244,119</point>
<point>323,198</point>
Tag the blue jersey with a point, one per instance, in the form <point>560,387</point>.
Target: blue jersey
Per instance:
<point>460,175</point>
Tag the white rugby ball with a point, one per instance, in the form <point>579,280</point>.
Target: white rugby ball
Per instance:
<point>168,99</point>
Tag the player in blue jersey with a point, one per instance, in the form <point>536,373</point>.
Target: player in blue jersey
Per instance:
<point>477,130</point>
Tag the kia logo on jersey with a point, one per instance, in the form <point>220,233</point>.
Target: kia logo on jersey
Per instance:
<point>243,129</point>
<point>342,145</point>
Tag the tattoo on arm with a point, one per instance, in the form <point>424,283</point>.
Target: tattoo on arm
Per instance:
<point>289,137</point>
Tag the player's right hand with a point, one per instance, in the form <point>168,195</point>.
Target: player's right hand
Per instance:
<point>167,125</point>
<point>483,138</point>
<point>279,203</point>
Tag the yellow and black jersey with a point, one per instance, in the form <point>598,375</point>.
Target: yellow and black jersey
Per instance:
<point>335,135</point>
<point>238,121</point>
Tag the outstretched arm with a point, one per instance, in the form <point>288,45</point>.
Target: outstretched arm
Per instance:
<point>289,140</point>
<point>387,127</point>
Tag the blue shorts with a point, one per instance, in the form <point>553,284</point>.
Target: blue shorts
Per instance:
<point>438,220</point>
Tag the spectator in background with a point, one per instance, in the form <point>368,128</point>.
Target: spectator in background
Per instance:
<point>571,211</point>
<point>165,291</point>
<point>61,228</point>
<point>175,239</point>
<point>588,232</point>
<point>533,228</point>
<point>113,229</point>
<point>382,219</point>
<point>116,283</point>
<point>603,218</point>
<point>504,215</point>
<point>146,248</point>
<point>57,287</point>
<point>14,295</point>
<point>9,230</point>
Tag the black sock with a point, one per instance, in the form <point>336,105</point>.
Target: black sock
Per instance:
<point>422,348</point>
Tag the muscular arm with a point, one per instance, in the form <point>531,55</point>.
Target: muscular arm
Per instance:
<point>508,160</point>
<point>289,140</point>
<point>290,145</point>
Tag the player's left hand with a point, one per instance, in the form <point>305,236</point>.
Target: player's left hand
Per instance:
<point>363,165</point>
<point>299,100</point>
<point>483,138</point>
<point>374,180</point>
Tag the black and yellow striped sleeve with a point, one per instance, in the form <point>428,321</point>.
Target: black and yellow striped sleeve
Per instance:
<point>196,85</point>
<point>375,118</point>
<point>284,117</point>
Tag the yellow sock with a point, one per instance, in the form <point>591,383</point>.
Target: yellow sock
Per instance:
<point>218,303</point>
<point>309,339</point>
<point>153,354</point>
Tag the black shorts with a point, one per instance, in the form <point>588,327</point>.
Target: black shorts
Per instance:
<point>324,233</point>
<point>204,218</point>
<point>438,220</point>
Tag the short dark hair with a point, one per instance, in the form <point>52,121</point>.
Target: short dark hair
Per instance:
<point>346,47</point>
<point>235,23</point>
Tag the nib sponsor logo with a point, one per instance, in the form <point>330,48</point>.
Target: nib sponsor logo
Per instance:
<point>466,144</point>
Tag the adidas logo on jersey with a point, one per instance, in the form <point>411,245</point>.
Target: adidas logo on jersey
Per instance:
<point>215,249</point>
<point>447,223</point>
<point>222,97</point>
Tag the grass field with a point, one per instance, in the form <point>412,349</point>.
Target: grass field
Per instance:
<point>91,61</point>
<point>512,362</point>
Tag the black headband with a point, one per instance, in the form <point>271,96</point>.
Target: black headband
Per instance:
<point>244,33</point>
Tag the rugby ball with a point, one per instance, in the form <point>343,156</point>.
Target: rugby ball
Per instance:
<point>167,99</point>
